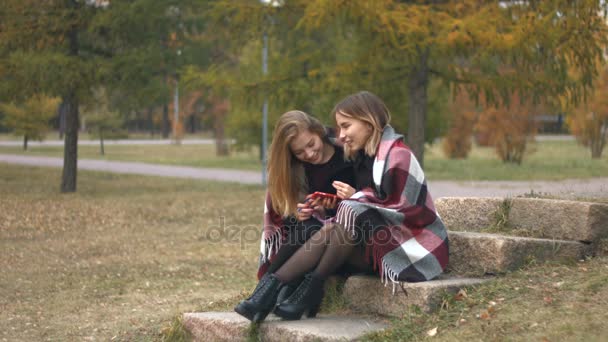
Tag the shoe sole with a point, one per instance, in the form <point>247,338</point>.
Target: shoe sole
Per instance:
<point>289,316</point>
<point>244,312</point>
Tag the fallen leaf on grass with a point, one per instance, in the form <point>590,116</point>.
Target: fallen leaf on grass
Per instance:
<point>548,300</point>
<point>461,295</point>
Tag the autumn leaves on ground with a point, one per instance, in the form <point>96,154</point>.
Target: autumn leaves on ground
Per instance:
<point>125,255</point>
<point>120,258</point>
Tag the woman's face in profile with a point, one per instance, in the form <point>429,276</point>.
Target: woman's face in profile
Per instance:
<point>308,147</point>
<point>354,133</point>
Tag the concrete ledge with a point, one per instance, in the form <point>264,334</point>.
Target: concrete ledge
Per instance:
<point>533,217</point>
<point>566,220</point>
<point>479,253</point>
<point>229,326</point>
<point>368,294</point>
<point>467,213</point>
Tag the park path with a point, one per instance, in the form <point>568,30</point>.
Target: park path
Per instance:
<point>570,188</point>
<point>9,143</point>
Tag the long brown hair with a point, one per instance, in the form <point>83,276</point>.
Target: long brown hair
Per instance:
<point>286,180</point>
<point>370,109</point>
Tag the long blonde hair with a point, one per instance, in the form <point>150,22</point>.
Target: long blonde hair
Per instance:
<point>370,109</point>
<point>286,179</point>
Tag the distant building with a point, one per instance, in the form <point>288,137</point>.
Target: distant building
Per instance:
<point>551,124</point>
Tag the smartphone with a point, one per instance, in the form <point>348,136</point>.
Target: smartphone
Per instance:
<point>319,194</point>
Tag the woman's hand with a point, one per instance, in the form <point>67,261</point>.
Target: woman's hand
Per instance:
<point>304,211</point>
<point>343,190</point>
<point>329,203</point>
<point>320,205</point>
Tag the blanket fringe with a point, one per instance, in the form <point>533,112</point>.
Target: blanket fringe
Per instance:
<point>389,275</point>
<point>270,245</point>
<point>346,217</point>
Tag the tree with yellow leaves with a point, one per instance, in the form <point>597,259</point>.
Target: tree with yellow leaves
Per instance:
<point>31,118</point>
<point>397,48</point>
<point>589,122</point>
<point>509,128</point>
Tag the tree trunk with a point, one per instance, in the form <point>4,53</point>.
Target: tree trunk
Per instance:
<point>103,152</point>
<point>25,142</point>
<point>62,115</point>
<point>219,115</point>
<point>165,128</point>
<point>70,151</point>
<point>221,148</point>
<point>597,145</point>
<point>417,92</point>
<point>150,122</point>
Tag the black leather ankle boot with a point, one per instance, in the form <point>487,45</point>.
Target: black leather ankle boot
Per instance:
<point>287,289</point>
<point>262,300</point>
<point>306,298</point>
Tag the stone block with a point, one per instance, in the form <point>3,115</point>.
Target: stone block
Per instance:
<point>481,253</point>
<point>467,213</point>
<point>528,217</point>
<point>229,326</point>
<point>368,294</point>
<point>558,219</point>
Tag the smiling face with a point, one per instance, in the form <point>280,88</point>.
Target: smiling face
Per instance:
<point>308,147</point>
<point>354,133</point>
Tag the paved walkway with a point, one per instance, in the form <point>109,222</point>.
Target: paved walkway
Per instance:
<point>110,142</point>
<point>573,188</point>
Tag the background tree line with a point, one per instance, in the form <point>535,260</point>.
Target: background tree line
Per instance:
<point>445,68</point>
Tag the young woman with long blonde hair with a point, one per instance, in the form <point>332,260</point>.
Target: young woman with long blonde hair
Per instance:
<point>302,160</point>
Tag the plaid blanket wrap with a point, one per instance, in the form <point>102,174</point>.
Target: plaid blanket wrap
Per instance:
<point>409,241</point>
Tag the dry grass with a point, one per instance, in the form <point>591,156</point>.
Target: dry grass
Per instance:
<point>120,258</point>
<point>126,255</point>
<point>540,303</point>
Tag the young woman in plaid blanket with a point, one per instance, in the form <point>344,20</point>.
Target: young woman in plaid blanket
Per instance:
<point>390,224</point>
<point>303,159</point>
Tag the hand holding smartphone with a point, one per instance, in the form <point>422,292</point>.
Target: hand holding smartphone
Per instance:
<point>323,195</point>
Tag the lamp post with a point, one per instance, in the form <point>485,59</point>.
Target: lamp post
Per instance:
<point>176,106</point>
<point>273,3</point>
<point>264,110</point>
<point>176,112</point>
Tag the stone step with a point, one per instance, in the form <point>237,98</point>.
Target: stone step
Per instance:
<point>229,326</point>
<point>368,294</point>
<point>482,253</point>
<point>531,217</point>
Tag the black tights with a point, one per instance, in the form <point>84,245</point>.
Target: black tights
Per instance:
<point>298,233</point>
<point>325,251</point>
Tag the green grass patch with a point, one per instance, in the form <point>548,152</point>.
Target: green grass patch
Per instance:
<point>551,160</point>
<point>176,332</point>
